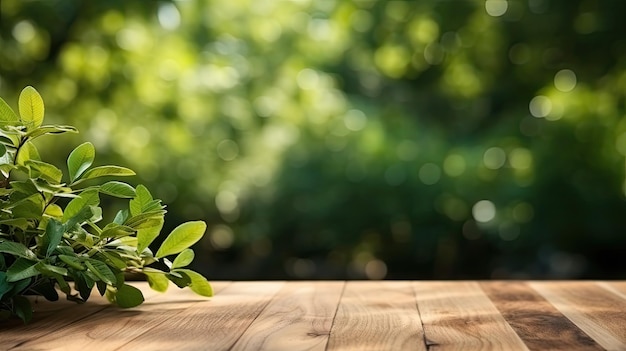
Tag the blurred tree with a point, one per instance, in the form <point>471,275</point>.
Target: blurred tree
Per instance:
<point>360,139</point>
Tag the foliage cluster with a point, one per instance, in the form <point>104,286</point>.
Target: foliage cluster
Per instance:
<point>48,243</point>
<point>319,138</point>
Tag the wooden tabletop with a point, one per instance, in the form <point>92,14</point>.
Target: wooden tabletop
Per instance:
<point>337,315</point>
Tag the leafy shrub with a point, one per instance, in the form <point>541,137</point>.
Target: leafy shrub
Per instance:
<point>51,230</point>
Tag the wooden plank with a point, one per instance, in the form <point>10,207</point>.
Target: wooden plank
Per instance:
<point>210,325</point>
<point>618,288</point>
<point>459,316</point>
<point>377,316</point>
<point>298,318</point>
<point>539,324</point>
<point>594,309</point>
<point>47,317</point>
<point>112,327</point>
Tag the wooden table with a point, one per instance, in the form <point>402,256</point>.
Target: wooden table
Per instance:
<point>337,315</point>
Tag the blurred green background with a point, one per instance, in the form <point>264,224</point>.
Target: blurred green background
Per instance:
<point>350,139</point>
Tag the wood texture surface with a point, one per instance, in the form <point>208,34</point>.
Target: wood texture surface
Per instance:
<point>597,311</point>
<point>299,318</point>
<point>459,316</point>
<point>538,323</point>
<point>337,315</point>
<point>377,316</point>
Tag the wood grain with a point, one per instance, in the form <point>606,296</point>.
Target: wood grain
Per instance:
<point>298,318</point>
<point>377,316</point>
<point>459,316</point>
<point>594,309</point>
<point>539,324</point>
<point>355,315</point>
<point>208,325</point>
<point>47,318</point>
<point>112,327</point>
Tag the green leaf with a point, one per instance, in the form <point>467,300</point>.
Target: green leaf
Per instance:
<point>50,130</point>
<point>22,308</point>
<point>180,279</point>
<point>105,171</point>
<point>141,200</point>
<point>91,214</point>
<point>183,259</point>
<point>80,159</point>
<point>101,270</point>
<point>47,290</point>
<point>30,207</point>
<point>114,230</point>
<point>181,238</point>
<point>31,108</point>
<point>145,220</point>
<point>146,235</point>
<point>4,284</point>
<point>51,270</point>
<point>17,249</point>
<point>54,211</point>
<point>120,217</point>
<point>27,152</point>
<point>157,281</point>
<point>87,198</point>
<point>113,259</point>
<point>22,269</point>
<point>118,189</point>
<point>199,284</point>
<point>3,150</point>
<point>84,285</point>
<point>53,235</point>
<point>7,116</point>
<point>72,261</point>
<point>102,287</point>
<point>128,296</point>
<point>46,171</point>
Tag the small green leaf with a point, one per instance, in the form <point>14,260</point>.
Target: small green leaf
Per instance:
<point>4,284</point>
<point>84,285</point>
<point>120,217</point>
<point>3,150</point>
<point>50,130</point>
<point>105,171</point>
<point>53,235</point>
<point>101,270</point>
<point>17,249</point>
<point>181,280</point>
<point>50,270</point>
<point>183,259</point>
<point>141,200</point>
<point>118,189</point>
<point>199,284</point>
<point>54,211</point>
<point>7,116</point>
<point>27,152</point>
<point>114,230</point>
<point>47,290</point>
<point>102,287</point>
<point>72,261</point>
<point>146,235</point>
<point>181,238</point>
<point>157,281</point>
<point>46,171</point>
<point>128,296</point>
<point>22,308</point>
<point>80,160</point>
<point>88,197</point>
<point>113,259</point>
<point>31,108</point>
<point>22,269</point>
